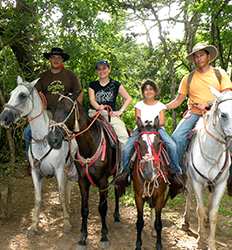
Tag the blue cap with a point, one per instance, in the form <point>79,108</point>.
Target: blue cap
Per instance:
<point>102,62</point>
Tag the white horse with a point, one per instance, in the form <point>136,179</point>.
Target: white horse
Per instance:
<point>208,161</point>
<point>25,101</point>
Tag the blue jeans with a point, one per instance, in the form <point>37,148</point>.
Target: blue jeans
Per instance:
<point>128,149</point>
<point>180,135</point>
<point>27,138</point>
<point>169,143</point>
<point>172,151</point>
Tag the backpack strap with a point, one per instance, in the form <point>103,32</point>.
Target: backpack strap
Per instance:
<point>189,80</point>
<point>218,75</point>
<point>190,77</point>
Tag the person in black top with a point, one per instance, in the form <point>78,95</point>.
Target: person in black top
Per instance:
<point>104,92</point>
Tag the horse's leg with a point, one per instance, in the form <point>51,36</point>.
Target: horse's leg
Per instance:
<point>69,186</point>
<point>116,211</point>
<point>201,213</point>
<point>62,183</point>
<point>102,208</point>
<point>213,211</point>
<point>158,228</point>
<point>188,204</point>
<point>84,188</point>
<point>37,181</point>
<point>140,222</point>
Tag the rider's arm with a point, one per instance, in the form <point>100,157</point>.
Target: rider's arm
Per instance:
<point>176,102</point>
<point>162,118</point>
<point>127,98</point>
<point>93,101</point>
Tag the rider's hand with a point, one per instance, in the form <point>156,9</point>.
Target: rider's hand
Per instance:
<point>116,113</point>
<point>101,107</point>
<point>202,107</point>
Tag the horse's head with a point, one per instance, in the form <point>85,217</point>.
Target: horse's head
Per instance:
<point>223,114</point>
<point>64,120</point>
<point>20,103</point>
<point>148,147</point>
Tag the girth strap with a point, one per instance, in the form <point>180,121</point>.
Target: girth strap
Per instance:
<point>37,162</point>
<point>86,163</point>
<point>211,183</point>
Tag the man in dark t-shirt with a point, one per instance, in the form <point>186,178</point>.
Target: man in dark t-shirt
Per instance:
<point>56,80</point>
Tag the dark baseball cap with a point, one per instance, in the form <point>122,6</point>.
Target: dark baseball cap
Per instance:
<point>102,62</point>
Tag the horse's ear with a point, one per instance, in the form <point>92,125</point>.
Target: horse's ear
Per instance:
<point>156,123</point>
<point>139,123</point>
<point>215,92</point>
<point>33,83</point>
<point>19,80</point>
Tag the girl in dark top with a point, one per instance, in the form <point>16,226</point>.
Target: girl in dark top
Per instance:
<point>104,92</point>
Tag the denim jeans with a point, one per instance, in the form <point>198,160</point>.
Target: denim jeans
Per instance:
<point>180,135</point>
<point>128,149</point>
<point>27,138</point>
<point>172,151</point>
<point>169,143</point>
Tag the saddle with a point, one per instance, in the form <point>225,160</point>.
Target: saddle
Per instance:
<point>104,119</point>
<point>110,134</point>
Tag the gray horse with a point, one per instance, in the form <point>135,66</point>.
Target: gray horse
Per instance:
<point>25,101</point>
<point>208,162</point>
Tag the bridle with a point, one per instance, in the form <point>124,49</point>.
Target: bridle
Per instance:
<point>215,116</point>
<point>155,159</point>
<point>62,125</point>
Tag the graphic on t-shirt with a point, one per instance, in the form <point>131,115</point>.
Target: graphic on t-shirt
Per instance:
<point>103,97</point>
<point>56,87</point>
<point>106,95</point>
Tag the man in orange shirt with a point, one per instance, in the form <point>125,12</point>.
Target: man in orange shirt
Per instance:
<point>196,86</point>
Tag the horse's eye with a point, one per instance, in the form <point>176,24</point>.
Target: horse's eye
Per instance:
<point>22,96</point>
<point>224,115</point>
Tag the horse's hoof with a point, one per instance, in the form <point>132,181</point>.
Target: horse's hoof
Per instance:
<point>185,226</point>
<point>67,227</point>
<point>159,247</point>
<point>117,219</point>
<point>32,231</point>
<point>105,244</point>
<point>104,238</point>
<point>81,247</point>
<point>82,242</point>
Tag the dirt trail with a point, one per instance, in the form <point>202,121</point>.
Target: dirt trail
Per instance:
<point>13,232</point>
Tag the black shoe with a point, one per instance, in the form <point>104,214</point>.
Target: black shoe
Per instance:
<point>229,186</point>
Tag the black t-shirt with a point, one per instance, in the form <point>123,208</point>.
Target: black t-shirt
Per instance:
<point>106,95</point>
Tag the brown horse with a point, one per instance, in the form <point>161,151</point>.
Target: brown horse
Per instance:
<point>95,158</point>
<point>149,178</point>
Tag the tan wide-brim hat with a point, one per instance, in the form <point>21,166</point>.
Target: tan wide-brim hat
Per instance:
<point>213,52</point>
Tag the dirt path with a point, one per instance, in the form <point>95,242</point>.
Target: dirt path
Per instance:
<point>13,232</point>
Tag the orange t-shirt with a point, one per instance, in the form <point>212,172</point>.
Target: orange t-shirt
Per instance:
<point>199,91</point>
